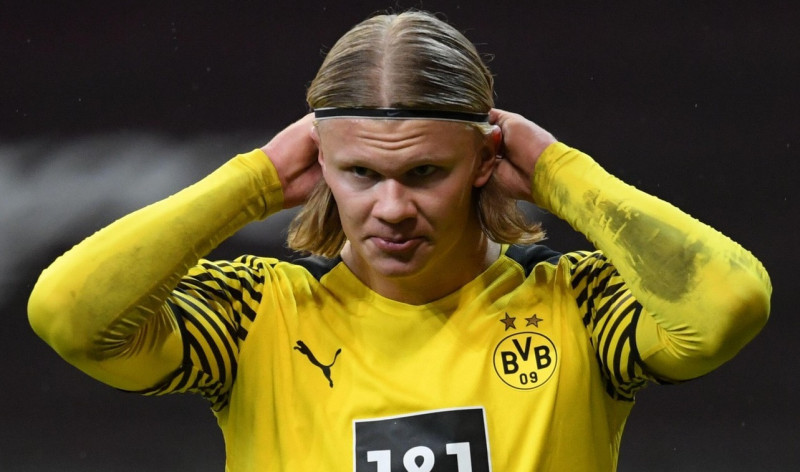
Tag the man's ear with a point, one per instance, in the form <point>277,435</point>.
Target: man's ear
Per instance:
<point>314,132</point>
<point>488,156</point>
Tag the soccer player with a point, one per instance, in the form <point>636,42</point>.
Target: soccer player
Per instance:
<point>427,330</point>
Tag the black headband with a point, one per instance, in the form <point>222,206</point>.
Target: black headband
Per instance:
<point>400,114</point>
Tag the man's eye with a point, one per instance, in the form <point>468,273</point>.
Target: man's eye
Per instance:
<point>423,171</point>
<point>361,171</point>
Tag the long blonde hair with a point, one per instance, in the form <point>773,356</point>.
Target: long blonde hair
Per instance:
<point>406,60</point>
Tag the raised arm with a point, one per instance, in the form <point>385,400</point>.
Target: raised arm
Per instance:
<point>101,305</point>
<point>705,296</point>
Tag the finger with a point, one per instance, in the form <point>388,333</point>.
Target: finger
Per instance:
<point>498,116</point>
<point>495,116</point>
<point>513,181</point>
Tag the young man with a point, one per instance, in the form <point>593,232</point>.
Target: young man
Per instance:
<point>427,331</point>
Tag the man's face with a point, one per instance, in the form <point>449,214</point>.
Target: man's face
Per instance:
<point>404,189</point>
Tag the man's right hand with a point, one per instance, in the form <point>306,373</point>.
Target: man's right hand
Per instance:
<point>294,154</point>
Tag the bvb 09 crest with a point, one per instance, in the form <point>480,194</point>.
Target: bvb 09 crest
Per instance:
<point>525,360</point>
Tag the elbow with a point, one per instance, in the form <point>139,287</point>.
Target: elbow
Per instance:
<point>754,308</point>
<point>713,327</point>
<point>737,321</point>
<point>759,303</point>
<point>755,293</point>
<point>49,317</point>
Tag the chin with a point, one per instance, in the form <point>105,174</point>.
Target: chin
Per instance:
<point>372,260</point>
<point>393,268</point>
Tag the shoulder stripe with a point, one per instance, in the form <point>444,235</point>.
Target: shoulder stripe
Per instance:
<point>217,335</point>
<point>593,267</point>
<point>610,313</point>
<point>614,339</point>
<point>214,306</point>
<point>608,304</point>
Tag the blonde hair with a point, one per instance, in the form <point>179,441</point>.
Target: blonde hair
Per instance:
<point>406,60</point>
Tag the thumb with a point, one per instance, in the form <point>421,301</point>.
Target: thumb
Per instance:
<point>498,116</point>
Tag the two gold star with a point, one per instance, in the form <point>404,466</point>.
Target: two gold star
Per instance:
<point>508,321</point>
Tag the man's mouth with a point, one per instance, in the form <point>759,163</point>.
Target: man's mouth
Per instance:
<point>396,245</point>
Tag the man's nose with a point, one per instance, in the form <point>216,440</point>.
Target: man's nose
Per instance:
<point>393,202</point>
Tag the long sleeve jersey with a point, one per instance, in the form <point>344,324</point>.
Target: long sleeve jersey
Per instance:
<point>533,365</point>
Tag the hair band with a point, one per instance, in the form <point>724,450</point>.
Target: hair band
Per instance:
<point>400,114</point>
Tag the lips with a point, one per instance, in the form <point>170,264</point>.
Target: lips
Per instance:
<point>395,244</point>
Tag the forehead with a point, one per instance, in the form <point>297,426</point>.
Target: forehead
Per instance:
<point>424,136</point>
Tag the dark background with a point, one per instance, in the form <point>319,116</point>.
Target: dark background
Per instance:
<point>107,106</point>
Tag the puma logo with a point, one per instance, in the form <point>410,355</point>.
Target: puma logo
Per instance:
<point>326,369</point>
